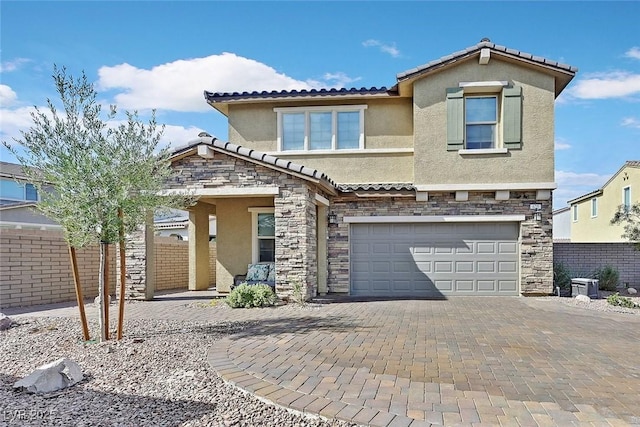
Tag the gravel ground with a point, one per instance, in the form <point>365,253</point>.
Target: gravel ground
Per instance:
<point>599,304</point>
<point>157,376</point>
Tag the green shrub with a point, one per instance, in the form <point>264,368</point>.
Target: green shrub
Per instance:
<point>248,296</point>
<point>561,276</point>
<point>616,299</point>
<point>607,278</point>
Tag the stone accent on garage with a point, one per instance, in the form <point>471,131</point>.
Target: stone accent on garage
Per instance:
<point>536,246</point>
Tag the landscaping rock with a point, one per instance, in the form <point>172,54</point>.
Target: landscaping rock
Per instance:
<point>583,298</point>
<point>96,301</point>
<point>632,291</point>
<point>5,322</point>
<point>51,377</point>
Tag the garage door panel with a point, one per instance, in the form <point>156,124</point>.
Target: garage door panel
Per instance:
<point>434,259</point>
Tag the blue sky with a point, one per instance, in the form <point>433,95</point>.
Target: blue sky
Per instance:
<point>163,55</point>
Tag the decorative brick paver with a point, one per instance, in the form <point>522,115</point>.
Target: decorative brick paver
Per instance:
<point>463,361</point>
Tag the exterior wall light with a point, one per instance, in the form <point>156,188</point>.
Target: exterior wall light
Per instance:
<point>333,218</point>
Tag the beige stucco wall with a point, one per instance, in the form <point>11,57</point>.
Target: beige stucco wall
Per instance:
<point>233,240</point>
<point>533,163</point>
<point>590,229</point>
<point>388,125</point>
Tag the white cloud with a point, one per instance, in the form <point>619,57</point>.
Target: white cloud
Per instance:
<point>631,122</point>
<point>179,85</point>
<point>339,79</point>
<point>176,136</point>
<point>7,95</point>
<point>389,48</point>
<point>562,144</point>
<point>12,121</point>
<point>576,184</point>
<point>634,53</point>
<point>13,65</point>
<point>616,84</point>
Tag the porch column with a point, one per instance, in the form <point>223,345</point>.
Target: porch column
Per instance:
<point>140,263</point>
<point>322,249</point>
<point>199,247</point>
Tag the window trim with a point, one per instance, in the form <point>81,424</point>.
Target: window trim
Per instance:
<point>334,110</point>
<point>594,207</point>
<point>255,247</point>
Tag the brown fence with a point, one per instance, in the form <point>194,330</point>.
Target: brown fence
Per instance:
<point>582,258</point>
<point>35,267</point>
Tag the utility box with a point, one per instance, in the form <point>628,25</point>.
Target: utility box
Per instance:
<point>588,287</point>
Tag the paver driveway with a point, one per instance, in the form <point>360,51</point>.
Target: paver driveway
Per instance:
<point>508,361</point>
<point>464,361</point>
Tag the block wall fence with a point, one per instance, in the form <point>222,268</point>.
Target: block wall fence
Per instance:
<point>582,258</point>
<point>35,267</point>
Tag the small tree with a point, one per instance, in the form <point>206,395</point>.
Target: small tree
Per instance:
<point>630,218</point>
<point>105,178</point>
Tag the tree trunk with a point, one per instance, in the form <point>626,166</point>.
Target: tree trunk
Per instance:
<point>79,298</point>
<point>103,334</point>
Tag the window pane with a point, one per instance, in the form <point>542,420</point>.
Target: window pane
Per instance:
<point>626,198</point>
<point>481,109</point>
<point>293,131</point>
<point>266,225</point>
<point>480,136</point>
<point>320,131</point>
<point>348,130</point>
<point>266,250</point>
<point>31,192</point>
<point>9,189</point>
<point>594,207</point>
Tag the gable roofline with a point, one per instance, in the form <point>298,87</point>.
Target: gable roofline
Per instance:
<point>598,192</point>
<point>256,157</point>
<point>563,73</point>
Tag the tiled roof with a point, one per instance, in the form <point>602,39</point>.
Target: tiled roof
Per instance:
<point>633,163</point>
<point>12,170</point>
<point>348,188</point>
<point>473,49</point>
<point>234,96</point>
<point>254,155</point>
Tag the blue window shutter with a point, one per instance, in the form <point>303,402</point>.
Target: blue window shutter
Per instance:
<point>512,126</point>
<point>455,119</point>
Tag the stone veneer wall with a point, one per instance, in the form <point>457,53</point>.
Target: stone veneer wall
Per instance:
<point>295,211</point>
<point>536,248</point>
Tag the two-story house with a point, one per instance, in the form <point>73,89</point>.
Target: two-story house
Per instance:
<point>437,186</point>
<point>18,199</point>
<point>591,213</point>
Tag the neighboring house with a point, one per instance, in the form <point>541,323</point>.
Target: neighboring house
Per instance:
<point>591,213</point>
<point>18,199</point>
<point>562,225</point>
<point>438,186</point>
<point>177,226</point>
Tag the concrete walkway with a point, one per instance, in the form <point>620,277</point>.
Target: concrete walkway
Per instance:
<point>463,361</point>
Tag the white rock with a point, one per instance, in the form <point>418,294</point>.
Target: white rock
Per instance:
<point>632,291</point>
<point>5,322</point>
<point>583,298</point>
<point>53,376</point>
<point>96,301</point>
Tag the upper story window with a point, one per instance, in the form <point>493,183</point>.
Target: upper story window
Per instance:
<point>594,207</point>
<point>481,119</point>
<point>484,116</point>
<point>320,128</point>
<point>18,191</point>
<point>626,198</point>
<point>574,211</point>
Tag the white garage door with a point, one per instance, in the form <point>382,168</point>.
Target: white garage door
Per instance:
<point>434,259</point>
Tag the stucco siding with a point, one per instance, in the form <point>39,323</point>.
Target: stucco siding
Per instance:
<point>388,126</point>
<point>534,162</point>
<point>598,228</point>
